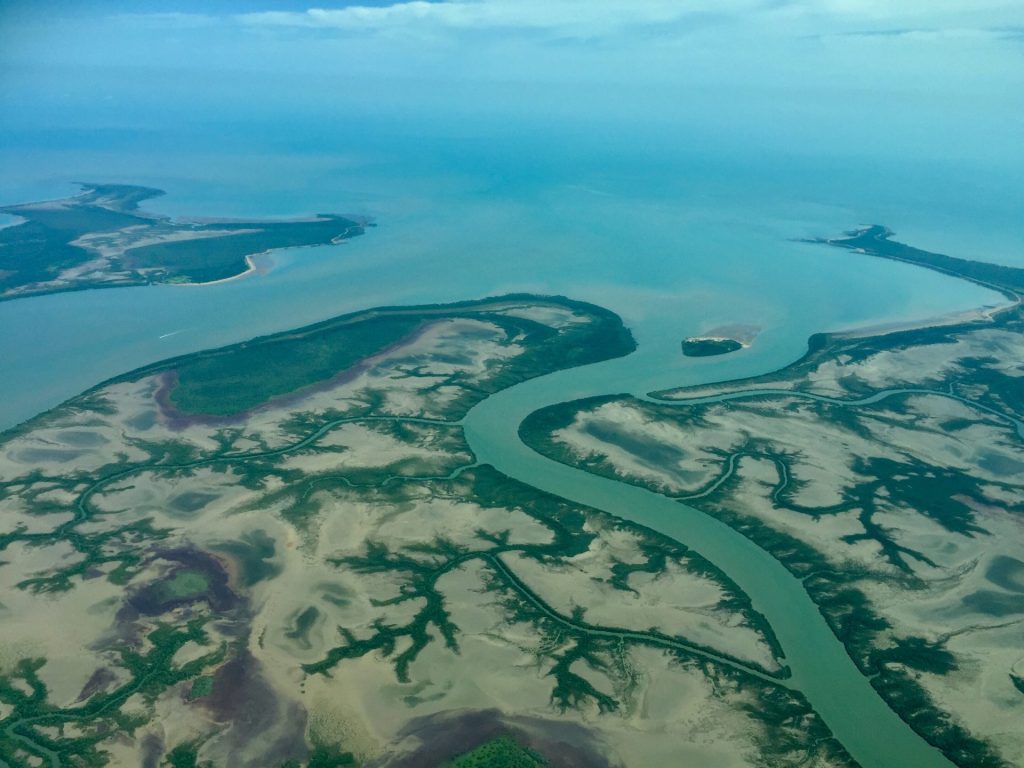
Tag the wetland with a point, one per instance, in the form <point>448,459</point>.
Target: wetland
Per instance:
<point>362,525</point>
<point>877,469</point>
<point>100,238</point>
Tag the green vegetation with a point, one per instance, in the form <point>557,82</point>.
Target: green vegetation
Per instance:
<point>935,492</point>
<point>185,756</point>
<point>118,545</point>
<point>188,583</point>
<point>564,642</point>
<point>701,347</point>
<point>324,756</point>
<point>421,567</point>
<point>502,752</point>
<point>201,687</point>
<point>1018,682</point>
<point>987,386</point>
<point>207,259</point>
<point>876,240</point>
<point>916,653</point>
<point>944,494</point>
<point>35,252</point>
<point>911,701</point>
<point>939,493</point>
<point>150,673</point>
<point>220,382</point>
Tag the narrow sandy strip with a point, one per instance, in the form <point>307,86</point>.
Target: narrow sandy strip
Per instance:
<point>250,269</point>
<point>981,314</point>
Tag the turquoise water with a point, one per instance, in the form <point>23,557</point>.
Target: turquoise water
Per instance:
<point>675,243</point>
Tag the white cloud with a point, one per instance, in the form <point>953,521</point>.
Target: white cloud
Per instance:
<point>570,17</point>
<point>594,18</point>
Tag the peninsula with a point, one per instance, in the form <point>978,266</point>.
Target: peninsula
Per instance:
<point>100,238</point>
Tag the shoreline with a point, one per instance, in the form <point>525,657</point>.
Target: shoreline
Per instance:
<point>824,343</point>
<point>741,342</point>
<point>488,303</point>
<point>178,420</point>
<point>266,259</point>
<point>251,268</point>
<point>111,242</point>
<point>983,314</point>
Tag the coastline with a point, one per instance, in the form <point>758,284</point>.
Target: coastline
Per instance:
<point>985,314</point>
<point>251,268</point>
<point>262,262</point>
<point>706,337</point>
<point>100,238</point>
<point>928,709</point>
<point>829,343</point>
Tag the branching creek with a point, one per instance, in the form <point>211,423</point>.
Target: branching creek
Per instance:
<point>819,665</point>
<point>750,394</point>
<point>821,668</point>
<point>492,558</point>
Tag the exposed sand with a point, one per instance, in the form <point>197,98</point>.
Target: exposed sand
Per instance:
<point>981,314</point>
<point>113,244</point>
<point>263,260</point>
<point>744,334</point>
<point>957,601</point>
<point>309,521</point>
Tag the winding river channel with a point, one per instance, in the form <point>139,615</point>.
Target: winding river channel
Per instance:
<point>821,669</point>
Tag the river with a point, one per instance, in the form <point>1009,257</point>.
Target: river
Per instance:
<point>670,274</point>
<point>822,670</point>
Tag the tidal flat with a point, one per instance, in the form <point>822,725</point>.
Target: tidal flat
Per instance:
<point>884,471</point>
<point>309,575</point>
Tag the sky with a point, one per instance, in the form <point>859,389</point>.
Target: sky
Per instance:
<point>936,81</point>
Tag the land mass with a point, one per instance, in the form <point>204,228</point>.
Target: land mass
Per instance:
<point>886,472</point>
<point>876,240</point>
<point>706,346</point>
<point>100,238</point>
<point>284,553</point>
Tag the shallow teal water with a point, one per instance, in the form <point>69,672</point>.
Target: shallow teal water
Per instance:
<point>675,248</point>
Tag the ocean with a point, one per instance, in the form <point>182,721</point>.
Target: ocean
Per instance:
<point>676,237</point>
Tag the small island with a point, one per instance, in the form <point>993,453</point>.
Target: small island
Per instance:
<point>721,340</point>
<point>707,346</point>
<point>101,239</point>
